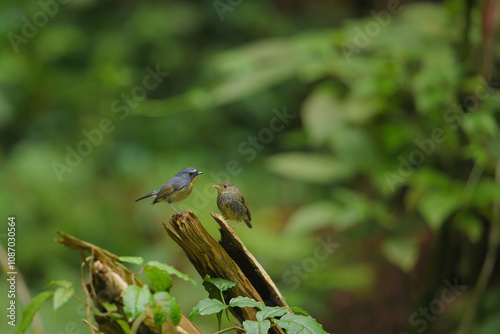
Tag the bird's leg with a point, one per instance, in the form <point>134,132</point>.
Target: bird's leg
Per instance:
<point>174,209</point>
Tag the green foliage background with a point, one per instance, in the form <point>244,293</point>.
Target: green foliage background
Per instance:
<point>390,153</point>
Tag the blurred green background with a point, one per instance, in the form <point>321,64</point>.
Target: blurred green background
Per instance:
<point>363,134</point>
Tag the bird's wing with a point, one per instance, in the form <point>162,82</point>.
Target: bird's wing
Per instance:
<point>168,188</point>
<point>164,191</point>
<point>246,207</point>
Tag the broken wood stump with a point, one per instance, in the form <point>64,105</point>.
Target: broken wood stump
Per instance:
<point>108,281</point>
<point>228,259</point>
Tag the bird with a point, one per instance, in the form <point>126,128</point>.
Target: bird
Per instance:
<point>231,203</point>
<point>175,189</point>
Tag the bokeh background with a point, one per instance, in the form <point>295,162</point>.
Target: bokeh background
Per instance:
<point>363,134</point>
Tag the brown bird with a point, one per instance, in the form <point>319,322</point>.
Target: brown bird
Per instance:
<point>231,203</point>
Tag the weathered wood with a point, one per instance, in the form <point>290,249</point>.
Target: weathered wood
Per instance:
<point>109,279</point>
<point>252,269</point>
<point>228,259</point>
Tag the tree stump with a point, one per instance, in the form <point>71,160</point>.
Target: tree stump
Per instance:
<point>228,259</point>
<point>108,281</point>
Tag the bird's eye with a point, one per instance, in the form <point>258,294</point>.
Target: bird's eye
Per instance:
<point>191,173</point>
<point>225,186</point>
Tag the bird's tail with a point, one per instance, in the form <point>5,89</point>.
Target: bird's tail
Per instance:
<point>146,196</point>
<point>247,222</point>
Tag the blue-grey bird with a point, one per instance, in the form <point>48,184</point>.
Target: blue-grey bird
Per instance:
<point>176,189</point>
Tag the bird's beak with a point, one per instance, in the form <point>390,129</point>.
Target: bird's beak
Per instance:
<point>199,172</point>
<point>216,186</point>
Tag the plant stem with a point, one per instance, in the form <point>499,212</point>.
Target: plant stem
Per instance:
<point>91,326</point>
<point>138,322</point>
<point>227,329</point>
<point>84,286</point>
<point>488,264</point>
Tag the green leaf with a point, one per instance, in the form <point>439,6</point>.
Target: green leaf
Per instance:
<point>245,302</point>
<point>320,114</point>
<point>112,310</point>
<point>309,167</point>
<point>348,138</point>
<point>131,259</point>
<point>220,283</point>
<point>352,208</point>
<point>159,315</point>
<point>207,306</point>
<point>311,217</point>
<point>297,309</point>
<point>478,124</point>
<point>428,179</point>
<point>110,307</point>
<point>271,312</point>
<point>62,295</point>
<point>135,300</point>
<point>160,279</point>
<point>166,307</point>
<point>403,252</point>
<point>262,64</point>
<point>483,193</point>
<point>115,316</point>
<point>256,327</point>
<point>62,283</point>
<point>346,210</point>
<point>299,324</point>
<point>213,293</point>
<point>436,206</point>
<point>172,271</point>
<point>31,310</point>
<point>470,224</point>
<point>124,326</point>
